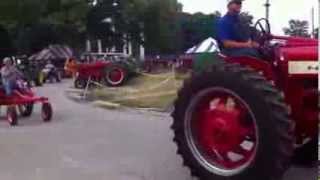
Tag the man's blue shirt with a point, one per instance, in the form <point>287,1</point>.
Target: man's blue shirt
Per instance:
<point>227,28</point>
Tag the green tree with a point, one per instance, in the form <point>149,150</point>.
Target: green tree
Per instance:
<point>152,23</point>
<point>36,37</point>
<point>102,21</point>
<point>197,27</point>
<point>297,28</point>
<point>133,15</point>
<point>6,46</point>
<point>161,27</point>
<point>66,17</point>
<point>17,12</point>
<point>69,19</point>
<point>246,18</point>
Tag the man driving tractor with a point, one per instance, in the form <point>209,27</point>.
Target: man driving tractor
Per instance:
<point>231,33</point>
<point>10,76</point>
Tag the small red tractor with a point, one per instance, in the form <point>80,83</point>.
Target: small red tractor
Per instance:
<point>246,118</point>
<point>24,100</point>
<point>101,70</point>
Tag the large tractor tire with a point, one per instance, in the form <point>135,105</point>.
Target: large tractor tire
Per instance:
<point>116,75</point>
<point>230,123</point>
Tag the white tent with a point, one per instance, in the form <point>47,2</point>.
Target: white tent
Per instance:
<point>53,52</point>
<point>208,45</point>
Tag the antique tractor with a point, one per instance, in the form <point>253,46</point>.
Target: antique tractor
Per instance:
<point>111,69</point>
<point>246,118</point>
<point>30,69</point>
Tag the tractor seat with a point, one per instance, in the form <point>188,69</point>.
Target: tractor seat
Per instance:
<point>224,55</point>
<point>239,52</point>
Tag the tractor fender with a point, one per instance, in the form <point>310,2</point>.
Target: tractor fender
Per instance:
<point>260,66</point>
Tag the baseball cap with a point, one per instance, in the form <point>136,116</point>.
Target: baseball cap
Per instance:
<point>234,1</point>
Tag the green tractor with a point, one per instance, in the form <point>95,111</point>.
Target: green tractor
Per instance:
<point>30,69</point>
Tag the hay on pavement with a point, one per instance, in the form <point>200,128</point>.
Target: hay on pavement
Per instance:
<point>144,91</point>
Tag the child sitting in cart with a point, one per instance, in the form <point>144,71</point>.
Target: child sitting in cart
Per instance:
<point>10,76</point>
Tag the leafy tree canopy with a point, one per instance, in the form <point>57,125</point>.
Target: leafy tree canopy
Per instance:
<point>297,28</point>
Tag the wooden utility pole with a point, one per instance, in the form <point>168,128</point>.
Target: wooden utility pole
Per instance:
<point>312,23</point>
<point>267,5</point>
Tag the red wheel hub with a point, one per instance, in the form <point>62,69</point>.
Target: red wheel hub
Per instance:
<point>116,75</point>
<point>225,131</point>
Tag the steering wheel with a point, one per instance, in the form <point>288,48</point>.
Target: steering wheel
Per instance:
<point>263,33</point>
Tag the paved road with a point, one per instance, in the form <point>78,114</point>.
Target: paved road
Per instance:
<point>87,143</point>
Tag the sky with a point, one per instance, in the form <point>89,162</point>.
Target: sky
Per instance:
<point>281,11</point>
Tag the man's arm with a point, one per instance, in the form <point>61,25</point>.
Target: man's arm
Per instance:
<point>235,44</point>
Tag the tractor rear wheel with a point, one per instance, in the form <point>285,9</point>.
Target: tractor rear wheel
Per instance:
<point>230,123</point>
<point>116,75</point>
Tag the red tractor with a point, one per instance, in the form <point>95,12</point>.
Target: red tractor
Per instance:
<point>99,70</point>
<point>245,118</point>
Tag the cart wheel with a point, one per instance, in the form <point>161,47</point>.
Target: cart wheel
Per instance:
<point>46,112</point>
<point>25,110</point>
<point>12,116</point>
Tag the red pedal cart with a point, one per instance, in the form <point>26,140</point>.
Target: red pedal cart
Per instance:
<point>23,101</point>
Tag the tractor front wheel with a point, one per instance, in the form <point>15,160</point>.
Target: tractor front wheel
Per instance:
<point>230,124</point>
